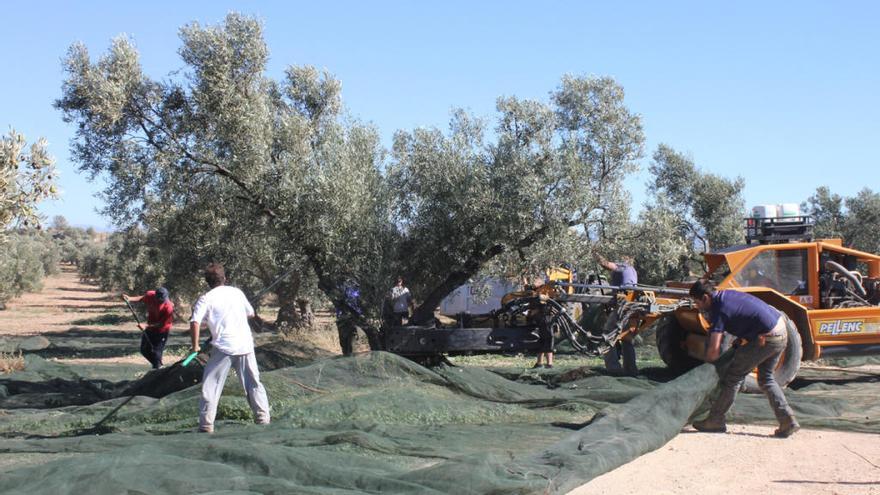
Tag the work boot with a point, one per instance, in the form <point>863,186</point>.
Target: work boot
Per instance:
<point>787,428</point>
<point>710,425</point>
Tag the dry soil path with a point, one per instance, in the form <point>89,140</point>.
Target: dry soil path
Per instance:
<point>747,460</point>
<point>63,301</point>
<point>67,306</point>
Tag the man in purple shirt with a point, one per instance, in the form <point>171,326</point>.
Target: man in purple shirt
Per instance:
<point>622,275</point>
<point>765,330</point>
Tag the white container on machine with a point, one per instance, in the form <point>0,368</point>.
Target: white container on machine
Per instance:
<point>765,211</point>
<point>786,210</point>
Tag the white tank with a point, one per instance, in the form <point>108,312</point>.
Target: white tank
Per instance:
<point>789,210</point>
<point>765,211</point>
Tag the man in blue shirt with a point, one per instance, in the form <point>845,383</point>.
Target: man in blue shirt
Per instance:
<point>622,274</point>
<point>348,311</point>
<point>765,330</point>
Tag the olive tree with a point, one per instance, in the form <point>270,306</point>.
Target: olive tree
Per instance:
<point>710,207</point>
<point>827,210</point>
<point>26,178</point>
<point>226,161</point>
<point>855,219</point>
<point>862,222</point>
<point>73,242</point>
<point>463,199</point>
<point>27,256</point>
<point>659,244</point>
<point>281,160</point>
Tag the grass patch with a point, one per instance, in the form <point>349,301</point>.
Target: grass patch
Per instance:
<point>646,357</point>
<point>323,336</point>
<point>524,361</point>
<point>10,362</point>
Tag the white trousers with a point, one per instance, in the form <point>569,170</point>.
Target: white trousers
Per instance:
<point>214,378</point>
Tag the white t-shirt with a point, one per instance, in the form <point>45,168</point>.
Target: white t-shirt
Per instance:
<point>400,299</point>
<point>227,310</point>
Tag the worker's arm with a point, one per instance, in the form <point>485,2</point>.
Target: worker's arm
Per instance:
<point>127,298</point>
<point>713,346</point>
<point>194,335</point>
<point>608,265</point>
<point>198,314</point>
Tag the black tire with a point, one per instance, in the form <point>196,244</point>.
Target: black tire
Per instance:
<point>789,365</point>
<point>670,340</point>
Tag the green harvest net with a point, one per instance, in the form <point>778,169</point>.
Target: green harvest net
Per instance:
<point>373,423</point>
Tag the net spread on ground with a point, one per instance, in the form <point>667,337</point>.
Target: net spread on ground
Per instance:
<point>372,423</point>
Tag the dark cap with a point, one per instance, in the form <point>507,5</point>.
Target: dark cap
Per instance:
<point>161,294</point>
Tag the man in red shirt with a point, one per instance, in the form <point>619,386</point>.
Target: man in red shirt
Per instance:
<point>160,313</point>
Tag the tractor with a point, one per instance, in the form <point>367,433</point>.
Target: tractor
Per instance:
<point>831,293</point>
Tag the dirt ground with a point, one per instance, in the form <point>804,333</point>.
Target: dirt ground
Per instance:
<point>748,460</point>
<point>62,302</point>
<point>745,460</point>
<point>67,305</point>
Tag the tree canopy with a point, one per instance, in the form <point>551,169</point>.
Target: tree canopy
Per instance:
<point>239,155</point>
<point>463,200</point>
<point>710,207</point>
<point>27,176</point>
<point>855,219</point>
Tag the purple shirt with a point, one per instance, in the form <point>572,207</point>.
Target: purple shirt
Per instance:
<point>741,314</point>
<point>624,275</point>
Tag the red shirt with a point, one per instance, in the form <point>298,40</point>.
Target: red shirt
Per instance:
<point>159,316</point>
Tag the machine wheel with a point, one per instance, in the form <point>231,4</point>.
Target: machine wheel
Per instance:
<point>788,366</point>
<point>670,337</point>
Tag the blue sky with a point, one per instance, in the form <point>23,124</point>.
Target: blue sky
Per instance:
<point>784,94</point>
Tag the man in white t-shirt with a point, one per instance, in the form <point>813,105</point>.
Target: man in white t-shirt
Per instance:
<point>227,311</point>
<point>401,300</point>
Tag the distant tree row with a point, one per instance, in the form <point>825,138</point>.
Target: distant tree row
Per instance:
<point>29,254</point>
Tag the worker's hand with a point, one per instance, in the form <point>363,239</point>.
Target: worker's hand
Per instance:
<point>197,348</point>
<point>141,326</point>
<point>125,298</point>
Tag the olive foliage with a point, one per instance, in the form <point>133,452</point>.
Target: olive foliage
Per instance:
<point>225,164</point>
<point>26,178</point>
<point>278,166</point>
<point>27,256</point>
<point>464,198</point>
<point>855,219</point>
<point>711,207</point>
<point>689,212</point>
